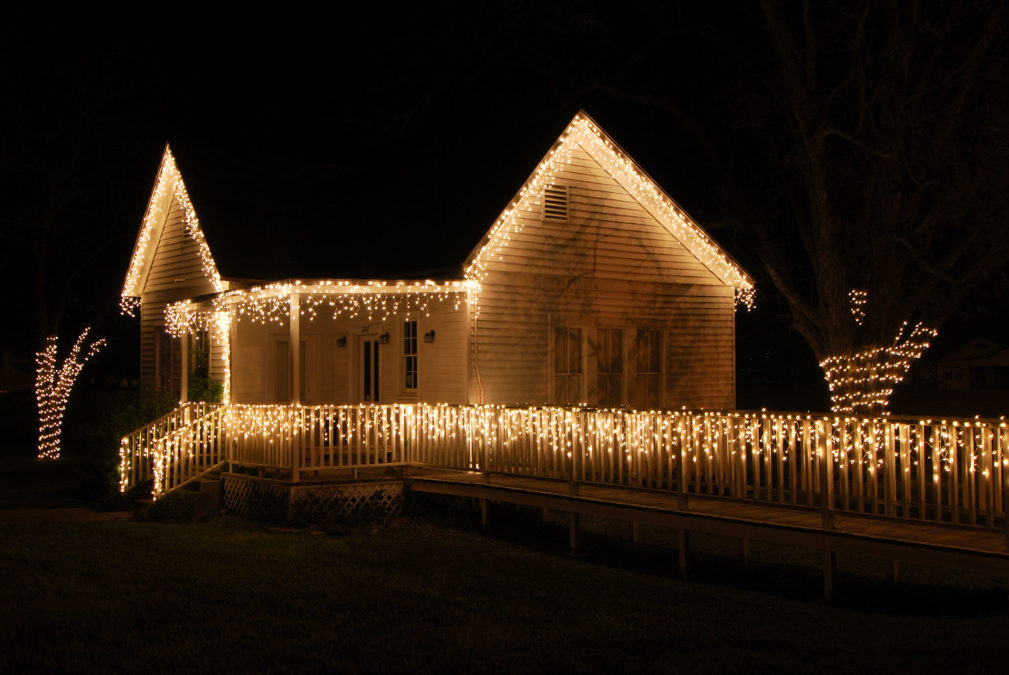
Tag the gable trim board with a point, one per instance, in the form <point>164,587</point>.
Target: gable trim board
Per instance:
<point>585,133</point>
<point>168,188</point>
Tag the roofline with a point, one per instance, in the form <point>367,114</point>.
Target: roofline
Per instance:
<point>620,152</point>
<point>662,191</point>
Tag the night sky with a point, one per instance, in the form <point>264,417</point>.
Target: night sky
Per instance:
<point>317,143</point>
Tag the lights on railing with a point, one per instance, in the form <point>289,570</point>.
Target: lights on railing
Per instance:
<point>493,436</point>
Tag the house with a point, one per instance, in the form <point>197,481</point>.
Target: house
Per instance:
<point>592,287</point>
<point>978,364</point>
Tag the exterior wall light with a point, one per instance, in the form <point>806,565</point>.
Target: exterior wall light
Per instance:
<point>429,336</point>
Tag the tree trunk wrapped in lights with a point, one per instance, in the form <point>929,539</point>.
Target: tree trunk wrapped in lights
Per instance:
<point>52,388</point>
<point>861,383</point>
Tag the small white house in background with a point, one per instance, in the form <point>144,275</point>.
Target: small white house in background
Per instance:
<point>591,287</point>
<point>978,364</point>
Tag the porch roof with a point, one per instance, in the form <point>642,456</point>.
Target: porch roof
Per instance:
<point>342,298</point>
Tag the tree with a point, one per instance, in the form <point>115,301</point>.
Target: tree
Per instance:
<point>53,383</point>
<point>865,165</point>
<point>894,143</point>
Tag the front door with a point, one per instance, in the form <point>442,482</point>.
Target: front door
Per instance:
<point>368,369</point>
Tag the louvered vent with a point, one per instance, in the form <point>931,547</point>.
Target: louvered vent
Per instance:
<point>555,203</point>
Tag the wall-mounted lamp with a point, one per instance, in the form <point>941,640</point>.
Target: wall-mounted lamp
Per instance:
<point>384,338</point>
<point>429,336</point>
<point>341,342</point>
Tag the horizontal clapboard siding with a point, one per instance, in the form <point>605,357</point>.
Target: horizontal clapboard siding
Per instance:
<point>176,273</point>
<point>612,265</point>
<point>151,323</point>
<point>177,262</point>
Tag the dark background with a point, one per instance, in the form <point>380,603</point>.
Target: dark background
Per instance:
<point>324,143</point>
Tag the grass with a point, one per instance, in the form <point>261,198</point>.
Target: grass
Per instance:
<point>432,592</point>
<point>224,595</point>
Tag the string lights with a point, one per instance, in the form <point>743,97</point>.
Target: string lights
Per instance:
<point>582,132</point>
<point>379,300</point>
<point>756,454</point>
<point>52,388</point>
<point>169,186</point>
<point>858,299</point>
<point>863,382</point>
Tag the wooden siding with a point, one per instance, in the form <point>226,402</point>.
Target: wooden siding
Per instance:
<point>175,273</point>
<point>612,265</point>
<point>331,372</point>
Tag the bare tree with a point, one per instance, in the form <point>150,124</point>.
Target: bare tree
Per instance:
<point>866,162</point>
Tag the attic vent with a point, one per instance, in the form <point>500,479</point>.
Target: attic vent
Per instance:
<point>555,203</point>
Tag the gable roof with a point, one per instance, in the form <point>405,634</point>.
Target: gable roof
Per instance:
<point>584,132</point>
<point>168,186</point>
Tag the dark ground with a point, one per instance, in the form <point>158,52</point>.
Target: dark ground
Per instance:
<point>433,592</point>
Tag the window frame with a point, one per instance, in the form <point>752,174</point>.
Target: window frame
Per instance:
<point>410,355</point>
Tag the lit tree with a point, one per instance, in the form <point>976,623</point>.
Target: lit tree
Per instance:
<point>53,383</point>
<point>894,146</point>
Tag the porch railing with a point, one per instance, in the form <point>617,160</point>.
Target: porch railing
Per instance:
<point>954,471</point>
<point>144,449</point>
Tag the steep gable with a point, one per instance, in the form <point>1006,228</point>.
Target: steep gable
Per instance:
<point>612,203</point>
<point>170,251</point>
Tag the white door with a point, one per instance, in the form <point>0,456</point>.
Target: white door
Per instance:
<point>368,370</point>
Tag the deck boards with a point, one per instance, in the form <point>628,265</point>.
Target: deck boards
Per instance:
<point>987,547</point>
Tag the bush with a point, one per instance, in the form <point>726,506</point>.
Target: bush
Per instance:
<point>178,506</point>
<point>102,418</point>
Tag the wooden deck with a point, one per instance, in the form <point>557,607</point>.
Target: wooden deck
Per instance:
<point>982,550</point>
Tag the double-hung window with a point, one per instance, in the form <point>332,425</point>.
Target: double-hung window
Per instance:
<point>410,356</point>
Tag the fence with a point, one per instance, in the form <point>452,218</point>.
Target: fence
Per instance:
<point>954,471</point>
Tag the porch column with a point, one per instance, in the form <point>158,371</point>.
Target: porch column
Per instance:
<point>295,350</point>
<point>184,382</point>
<point>294,364</point>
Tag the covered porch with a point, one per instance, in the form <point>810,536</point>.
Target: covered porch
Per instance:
<point>332,342</point>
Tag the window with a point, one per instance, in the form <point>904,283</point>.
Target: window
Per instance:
<point>555,203</point>
<point>647,362</point>
<point>609,366</point>
<point>410,355</point>
<point>567,364</point>
<point>168,364</point>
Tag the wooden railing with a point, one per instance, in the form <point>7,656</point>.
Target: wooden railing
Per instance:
<point>313,438</point>
<point>954,471</point>
<point>172,449</point>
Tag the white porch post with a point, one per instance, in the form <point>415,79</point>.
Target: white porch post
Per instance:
<point>295,350</point>
<point>294,364</point>
<point>184,383</point>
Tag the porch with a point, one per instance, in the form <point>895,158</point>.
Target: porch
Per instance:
<point>932,491</point>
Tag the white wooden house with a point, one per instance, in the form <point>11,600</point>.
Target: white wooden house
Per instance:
<point>592,286</point>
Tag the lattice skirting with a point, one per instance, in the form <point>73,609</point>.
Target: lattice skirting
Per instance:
<point>314,502</point>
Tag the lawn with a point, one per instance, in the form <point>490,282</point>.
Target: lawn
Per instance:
<point>434,592</point>
<point>225,595</point>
